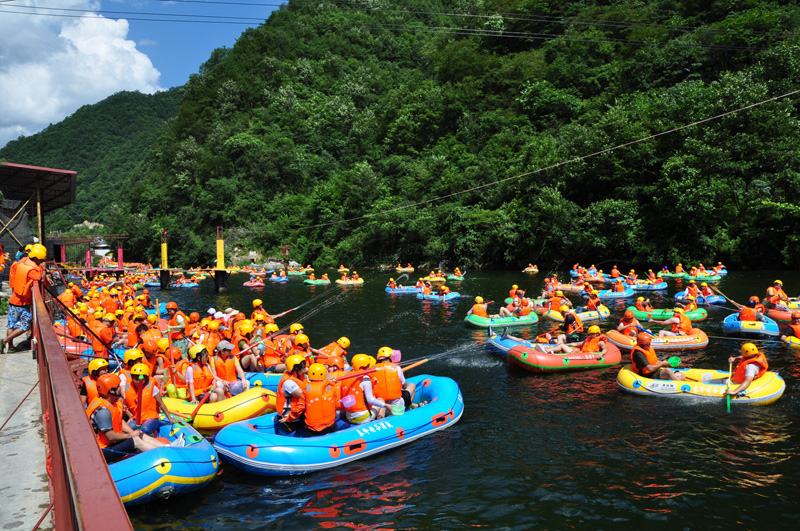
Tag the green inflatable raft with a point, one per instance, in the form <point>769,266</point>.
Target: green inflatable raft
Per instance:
<point>455,277</point>
<point>661,314</point>
<point>317,282</point>
<point>501,322</point>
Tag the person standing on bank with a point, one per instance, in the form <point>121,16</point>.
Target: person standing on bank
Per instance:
<point>21,277</point>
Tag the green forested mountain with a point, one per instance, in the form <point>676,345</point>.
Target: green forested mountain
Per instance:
<point>351,130</point>
<point>106,143</point>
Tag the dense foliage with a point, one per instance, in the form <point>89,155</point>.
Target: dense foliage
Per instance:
<point>357,131</point>
<point>106,143</point>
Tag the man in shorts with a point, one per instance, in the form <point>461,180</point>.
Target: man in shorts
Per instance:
<point>22,275</point>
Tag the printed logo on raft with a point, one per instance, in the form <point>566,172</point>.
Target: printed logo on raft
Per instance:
<point>374,427</point>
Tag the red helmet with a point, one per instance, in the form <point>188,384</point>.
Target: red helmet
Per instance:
<point>172,305</point>
<point>643,339</point>
<point>194,317</point>
<point>795,315</point>
<point>107,382</point>
<point>628,315</point>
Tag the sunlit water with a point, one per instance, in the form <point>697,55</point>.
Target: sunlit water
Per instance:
<point>564,450</point>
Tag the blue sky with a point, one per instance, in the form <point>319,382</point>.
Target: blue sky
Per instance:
<point>178,49</point>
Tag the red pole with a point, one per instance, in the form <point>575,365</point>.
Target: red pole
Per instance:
<point>63,253</point>
<point>120,263</point>
<point>89,258</point>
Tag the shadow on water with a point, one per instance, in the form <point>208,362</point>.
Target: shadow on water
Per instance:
<point>562,450</point>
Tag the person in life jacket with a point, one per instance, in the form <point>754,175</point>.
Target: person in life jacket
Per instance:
<point>389,384</point>
<point>705,290</point>
<point>794,325</point>
<point>643,305</point>
<point>177,322</point>
<point>644,361</point>
<point>750,365</point>
<point>572,328</point>
<point>88,391</point>
<point>679,268</point>
<point>322,401</point>
<point>22,275</point>
<point>595,342</point>
<point>615,272</point>
<point>143,399</point>
<point>749,311</point>
<point>426,288</point>
<point>199,378</point>
<point>513,291</point>
<point>420,284</point>
<point>457,272</point>
<point>115,438</point>
<point>290,404</point>
<point>361,407</point>
<point>619,287</point>
<point>480,308</point>
<point>632,277</point>
<point>227,368</point>
<point>692,289</point>
<point>131,357</point>
<point>629,325</point>
<point>651,276</point>
<point>524,308</point>
<point>334,349</point>
<point>593,303</point>
<point>247,347</point>
<point>776,297</point>
<point>690,304</point>
<point>391,284</point>
<point>679,323</point>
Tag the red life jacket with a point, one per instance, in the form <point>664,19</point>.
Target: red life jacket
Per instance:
<point>386,383</point>
<point>116,418</point>
<point>747,314</point>
<point>145,409</point>
<point>738,375</point>
<point>649,354</point>
<point>321,398</point>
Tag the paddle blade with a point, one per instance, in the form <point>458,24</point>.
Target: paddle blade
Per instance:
<point>728,402</point>
<point>674,361</point>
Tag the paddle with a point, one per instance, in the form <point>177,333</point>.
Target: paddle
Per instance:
<point>714,288</point>
<point>727,386</point>
<point>203,401</point>
<point>674,361</point>
<point>370,371</point>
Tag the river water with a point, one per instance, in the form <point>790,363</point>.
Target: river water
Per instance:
<point>555,451</point>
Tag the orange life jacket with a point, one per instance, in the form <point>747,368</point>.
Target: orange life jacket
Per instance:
<point>738,375</point>
<point>203,378</point>
<point>576,327</point>
<point>479,310</point>
<point>693,290</point>
<point>747,314</point>
<point>271,355</point>
<point>90,385</point>
<point>116,418</point>
<point>147,407</point>
<point>226,368</point>
<point>331,350</point>
<point>522,311</point>
<point>19,282</point>
<point>149,340</point>
<point>386,383</point>
<point>178,334</point>
<point>592,344</point>
<point>68,298</point>
<point>353,388</point>
<point>105,335</point>
<point>614,273</point>
<point>593,303</point>
<point>630,328</point>
<point>795,329</point>
<point>321,399</point>
<point>649,354</point>
<point>132,337</point>
<point>684,326</point>
<point>392,285</point>
<point>211,340</point>
<point>619,287</point>
<point>281,407</point>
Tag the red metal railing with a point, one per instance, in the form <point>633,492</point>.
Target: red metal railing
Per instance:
<point>81,489</point>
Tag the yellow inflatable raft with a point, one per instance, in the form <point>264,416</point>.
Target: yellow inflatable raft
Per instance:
<point>703,384</point>
<point>434,279</point>
<point>601,313</point>
<point>214,416</point>
<point>792,341</point>
<point>350,282</point>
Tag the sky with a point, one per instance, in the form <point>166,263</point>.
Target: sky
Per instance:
<point>52,65</point>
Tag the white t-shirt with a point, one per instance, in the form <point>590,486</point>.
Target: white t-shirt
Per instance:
<point>751,371</point>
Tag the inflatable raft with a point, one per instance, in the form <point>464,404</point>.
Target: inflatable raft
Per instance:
<point>433,297</point>
<point>530,270</point>
<point>703,278</point>
<point>165,472</point>
<point>694,341</point>
<point>539,358</point>
<point>152,284</point>
<point>701,299</point>
<point>662,314</point>
<point>253,446</point>
<point>587,316</point>
<point>779,314</point>
<point>644,286</point>
<point>267,380</point>
<point>253,284</point>
<point>703,384</point>
<point>404,269</point>
<point>792,341</point>
<point>434,279</point>
<point>358,282</point>
<point>403,289</point>
<point>185,285</point>
<point>671,275</point>
<point>569,288</point>
<point>502,322</point>
<point>213,416</point>
<point>296,273</point>
<point>457,278</point>
<point>317,282</point>
<point>610,294</point>
<point>278,279</point>
<point>767,327</point>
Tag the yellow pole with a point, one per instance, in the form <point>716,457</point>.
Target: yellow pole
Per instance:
<point>164,261</point>
<point>220,250</point>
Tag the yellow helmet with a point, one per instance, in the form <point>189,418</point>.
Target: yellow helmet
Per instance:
<point>28,247</point>
<point>38,251</point>
<point>295,327</point>
<point>748,349</point>
<point>97,364</point>
<point>678,310</point>
<point>132,354</point>
<point>362,361</point>
<point>317,372</point>
<point>391,280</point>
<point>260,317</point>
<point>213,326</point>
<point>195,350</point>
<point>344,342</point>
<point>301,339</point>
<point>479,300</point>
<point>257,303</point>
<point>780,282</point>
<point>514,286</point>
<point>594,329</point>
<point>109,317</point>
<point>140,369</point>
<point>704,284</point>
<point>293,361</point>
<point>639,299</point>
<point>247,326</point>
<point>152,318</point>
<point>271,328</point>
<point>162,344</point>
<point>559,293</point>
<point>595,292</point>
<point>384,353</point>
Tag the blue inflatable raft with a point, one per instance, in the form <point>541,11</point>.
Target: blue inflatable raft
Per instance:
<point>152,284</point>
<point>433,297</point>
<point>278,279</point>
<point>254,447</point>
<point>268,380</point>
<point>164,472</point>
<point>767,327</point>
<point>709,299</point>
<point>656,286</point>
<point>402,289</point>
<point>502,344</point>
<point>162,309</point>
<point>185,285</point>
<point>610,294</point>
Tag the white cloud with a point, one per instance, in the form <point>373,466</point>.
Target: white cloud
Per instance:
<point>50,66</point>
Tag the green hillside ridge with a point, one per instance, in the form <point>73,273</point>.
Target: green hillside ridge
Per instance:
<point>106,143</point>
